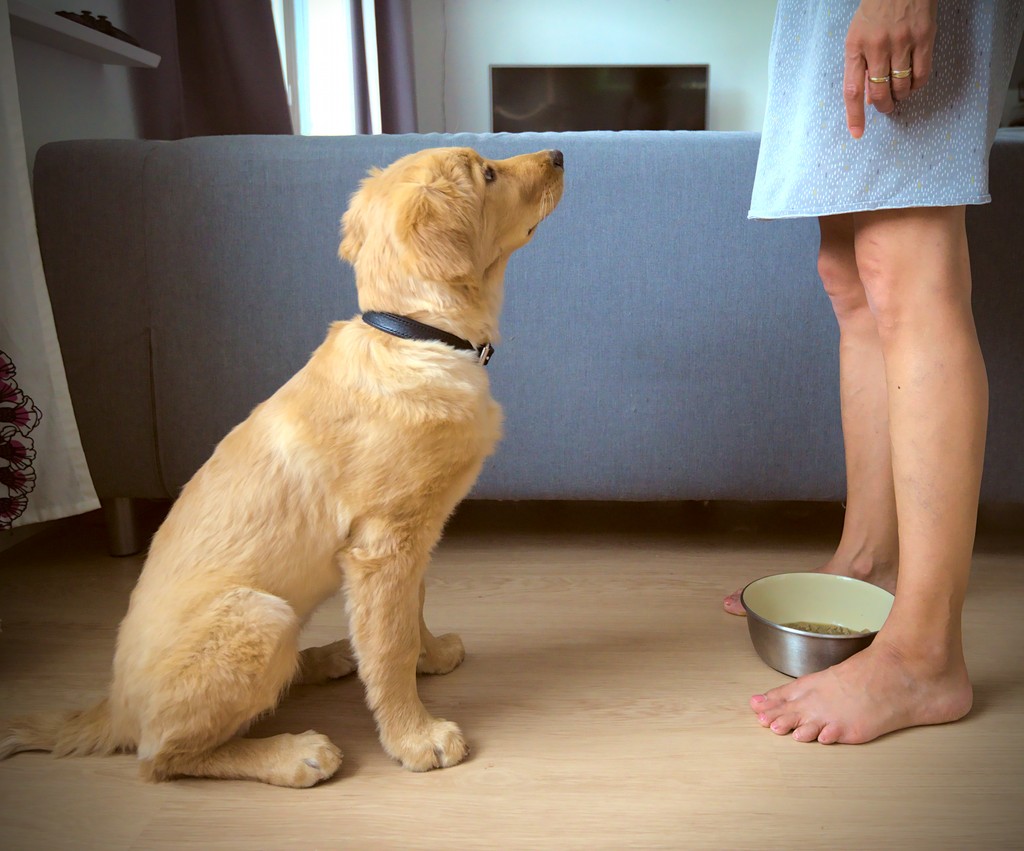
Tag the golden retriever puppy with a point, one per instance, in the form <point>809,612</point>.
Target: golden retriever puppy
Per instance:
<point>342,479</point>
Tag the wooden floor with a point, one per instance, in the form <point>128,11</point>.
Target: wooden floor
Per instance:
<point>604,696</point>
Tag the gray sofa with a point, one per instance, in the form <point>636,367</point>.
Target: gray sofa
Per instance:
<point>656,345</point>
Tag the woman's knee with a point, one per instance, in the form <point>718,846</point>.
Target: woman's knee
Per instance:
<point>879,278</point>
<point>912,263</point>
<point>837,268</point>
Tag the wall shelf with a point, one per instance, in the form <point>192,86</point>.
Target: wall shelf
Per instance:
<point>50,29</point>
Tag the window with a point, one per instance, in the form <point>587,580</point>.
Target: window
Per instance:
<point>317,41</point>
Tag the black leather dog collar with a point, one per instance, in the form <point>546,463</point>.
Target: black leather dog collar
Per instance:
<point>410,329</point>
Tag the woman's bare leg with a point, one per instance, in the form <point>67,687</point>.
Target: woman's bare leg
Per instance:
<point>868,548</point>
<point>916,272</point>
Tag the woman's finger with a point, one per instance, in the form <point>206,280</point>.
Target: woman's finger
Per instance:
<point>876,57</point>
<point>922,63</point>
<point>879,91</point>
<point>854,78</point>
<point>901,74</point>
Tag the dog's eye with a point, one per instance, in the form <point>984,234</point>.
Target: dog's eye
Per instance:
<point>489,174</point>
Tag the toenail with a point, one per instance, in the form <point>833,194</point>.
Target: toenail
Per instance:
<point>759,698</point>
<point>762,716</point>
<point>312,763</point>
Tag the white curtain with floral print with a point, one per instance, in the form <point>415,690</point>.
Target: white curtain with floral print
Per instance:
<point>43,474</point>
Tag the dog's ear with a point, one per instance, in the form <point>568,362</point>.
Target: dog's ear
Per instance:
<point>353,225</point>
<point>352,235</point>
<point>436,225</point>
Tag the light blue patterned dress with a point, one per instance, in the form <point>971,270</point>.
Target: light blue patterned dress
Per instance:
<point>932,151</point>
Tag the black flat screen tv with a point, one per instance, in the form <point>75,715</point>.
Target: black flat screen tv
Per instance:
<point>598,97</point>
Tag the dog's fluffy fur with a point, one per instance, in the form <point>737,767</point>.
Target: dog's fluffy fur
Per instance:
<point>344,477</point>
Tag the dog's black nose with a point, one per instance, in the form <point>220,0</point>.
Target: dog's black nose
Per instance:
<point>557,160</point>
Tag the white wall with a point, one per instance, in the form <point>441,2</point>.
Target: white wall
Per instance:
<point>455,42</point>
<point>64,96</point>
<point>429,47</point>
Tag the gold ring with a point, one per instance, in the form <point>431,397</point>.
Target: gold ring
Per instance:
<point>902,75</point>
<point>884,79</point>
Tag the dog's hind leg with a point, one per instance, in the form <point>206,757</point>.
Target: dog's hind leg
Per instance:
<point>298,761</point>
<point>383,598</point>
<point>238,657</point>
<point>438,654</point>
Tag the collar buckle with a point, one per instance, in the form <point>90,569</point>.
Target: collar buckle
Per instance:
<point>485,352</point>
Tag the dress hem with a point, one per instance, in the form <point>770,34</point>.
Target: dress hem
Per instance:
<point>861,208</point>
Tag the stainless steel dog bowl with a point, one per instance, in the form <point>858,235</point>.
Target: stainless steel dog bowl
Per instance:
<point>815,598</point>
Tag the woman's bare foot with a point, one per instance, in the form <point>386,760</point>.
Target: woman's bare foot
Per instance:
<point>877,572</point>
<point>875,692</point>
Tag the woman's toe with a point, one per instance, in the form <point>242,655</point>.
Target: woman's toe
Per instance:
<point>733,605</point>
<point>784,724</point>
<point>830,734</point>
<point>807,732</point>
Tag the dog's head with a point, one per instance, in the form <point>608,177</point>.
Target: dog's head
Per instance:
<point>444,220</point>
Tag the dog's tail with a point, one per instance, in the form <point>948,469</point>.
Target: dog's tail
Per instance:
<point>77,733</point>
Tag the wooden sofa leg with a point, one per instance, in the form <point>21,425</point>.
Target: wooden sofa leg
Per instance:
<point>123,535</point>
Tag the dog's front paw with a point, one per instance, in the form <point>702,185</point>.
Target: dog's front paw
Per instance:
<point>439,745</point>
<point>445,653</point>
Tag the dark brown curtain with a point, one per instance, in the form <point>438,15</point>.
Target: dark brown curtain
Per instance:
<point>220,71</point>
<point>394,66</point>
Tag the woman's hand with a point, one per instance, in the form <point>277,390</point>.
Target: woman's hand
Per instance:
<point>886,40</point>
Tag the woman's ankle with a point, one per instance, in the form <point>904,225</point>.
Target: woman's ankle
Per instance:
<point>878,569</point>
<point>931,656</point>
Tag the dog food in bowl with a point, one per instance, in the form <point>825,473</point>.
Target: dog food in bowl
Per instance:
<point>825,628</point>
